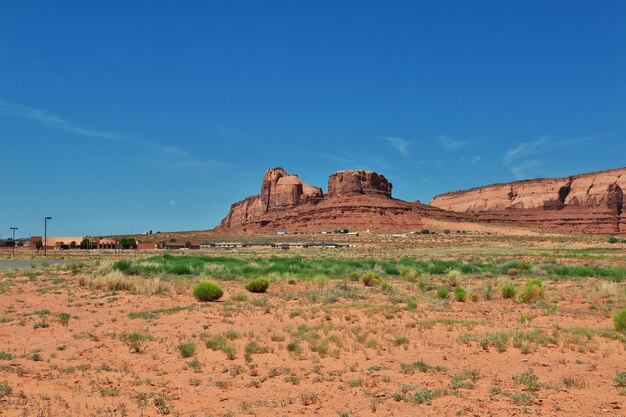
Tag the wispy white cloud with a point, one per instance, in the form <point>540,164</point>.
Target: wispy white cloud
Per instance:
<point>531,159</point>
<point>172,203</point>
<point>177,156</point>
<point>452,144</point>
<point>526,149</point>
<point>50,119</point>
<point>399,144</point>
<point>471,160</point>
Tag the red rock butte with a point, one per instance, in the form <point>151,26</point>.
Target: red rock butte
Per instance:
<point>359,199</point>
<point>587,203</point>
<point>356,199</point>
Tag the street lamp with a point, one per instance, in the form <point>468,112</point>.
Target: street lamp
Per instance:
<point>45,234</point>
<point>14,229</point>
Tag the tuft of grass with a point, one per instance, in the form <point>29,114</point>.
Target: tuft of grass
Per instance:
<point>370,279</point>
<point>508,291</point>
<point>619,320</point>
<point>5,389</point>
<point>135,340</point>
<point>187,349</point>
<point>64,318</point>
<point>533,290</point>
<point>460,294</point>
<point>442,293</point>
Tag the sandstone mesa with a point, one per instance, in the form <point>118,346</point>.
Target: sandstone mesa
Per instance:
<point>360,199</point>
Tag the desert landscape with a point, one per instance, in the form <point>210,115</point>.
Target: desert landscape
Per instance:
<point>318,209</point>
<point>458,324</point>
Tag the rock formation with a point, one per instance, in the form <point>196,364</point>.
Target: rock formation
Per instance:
<point>588,203</point>
<point>355,199</point>
<point>358,182</point>
<point>279,191</point>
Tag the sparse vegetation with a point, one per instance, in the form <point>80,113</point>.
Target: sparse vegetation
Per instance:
<point>258,285</point>
<point>207,291</point>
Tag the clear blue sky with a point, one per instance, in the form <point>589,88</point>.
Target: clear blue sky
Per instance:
<point>121,117</point>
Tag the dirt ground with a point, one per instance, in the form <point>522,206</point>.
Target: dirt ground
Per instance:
<point>322,347</point>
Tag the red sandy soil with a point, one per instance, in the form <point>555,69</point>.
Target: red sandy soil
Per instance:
<point>84,369</point>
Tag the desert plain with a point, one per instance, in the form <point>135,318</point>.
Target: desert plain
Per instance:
<point>475,324</point>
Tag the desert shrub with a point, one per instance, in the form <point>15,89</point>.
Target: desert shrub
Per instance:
<point>409,274</point>
<point>354,276</point>
<point>64,318</point>
<point>619,319</point>
<point>258,285</point>
<point>122,265</point>
<point>460,294</point>
<point>442,293</point>
<point>613,239</point>
<point>508,291</point>
<point>187,349</point>
<point>391,269</point>
<point>5,389</point>
<point>620,379</point>
<point>370,279</point>
<point>474,298</point>
<point>532,291</point>
<point>385,287</point>
<point>179,269</point>
<point>207,291</point>
<point>512,272</point>
<point>488,291</point>
<point>453,277</point>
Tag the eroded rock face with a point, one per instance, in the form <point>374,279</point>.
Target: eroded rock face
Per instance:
<point>588,203</point>
<point>279,191</point>
<point>358,182</point>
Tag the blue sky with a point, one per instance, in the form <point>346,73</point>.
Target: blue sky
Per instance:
<point>121,117</point>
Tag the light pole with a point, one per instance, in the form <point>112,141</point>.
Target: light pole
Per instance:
<point>45,234</point>
<point>14,229</point>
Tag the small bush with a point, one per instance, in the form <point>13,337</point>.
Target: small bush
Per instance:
<point>258,285</point>
<point>5,389</point>
<point>488,291</point>
<point>370,279</point>
<point>354,276</point>
<point>620,379</point>
<point>509,291</point>
<point>453,277</point>
<point>207,291</point>
<point>122,265</point>
<point>532,291</point>
<point>613,239</point>
<point>409,274</point>
<point>187,349</point>
<point>442,293</point>
<point>460,294</point>
<point>619,319</point>
<point>385,287</point>
<point>512,272</point>
<point>474,298</point>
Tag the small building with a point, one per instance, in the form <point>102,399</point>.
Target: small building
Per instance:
<point>281,232</point>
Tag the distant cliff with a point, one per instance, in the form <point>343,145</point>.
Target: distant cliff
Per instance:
<point>587,203</point>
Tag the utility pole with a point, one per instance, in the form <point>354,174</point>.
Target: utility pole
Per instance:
<point>45,234</point>
<point>14,229</point>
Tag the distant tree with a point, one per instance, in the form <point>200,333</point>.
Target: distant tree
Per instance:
<point>173,239</point>
<point>84,244</point>
<point>38,245</point>
<point>73,244</point>
<point>127,242</point>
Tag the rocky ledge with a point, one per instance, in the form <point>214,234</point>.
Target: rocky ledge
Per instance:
<point>588,203</point>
